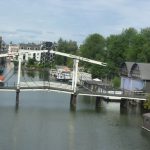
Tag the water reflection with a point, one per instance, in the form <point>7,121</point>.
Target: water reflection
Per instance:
<point>44,121</point>
<point>72,130</point>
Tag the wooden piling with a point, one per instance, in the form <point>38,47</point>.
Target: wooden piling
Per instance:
<point>98,102</point>
<point>123,103</point>
<point>73,100</point>
<point>17,97</point>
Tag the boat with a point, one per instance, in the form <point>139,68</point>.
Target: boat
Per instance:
<point>146,121</point>
<point>1,80</point>
<point>1,69</point>
<point>63,76</point>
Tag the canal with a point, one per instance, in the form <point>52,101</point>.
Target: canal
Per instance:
<point>44,121</point>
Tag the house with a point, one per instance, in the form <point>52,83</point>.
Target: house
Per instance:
<point>135,77</point>
<point>30,46</point>
<point>25,55</point>
<point>13,51</point>
<point>39,52</point>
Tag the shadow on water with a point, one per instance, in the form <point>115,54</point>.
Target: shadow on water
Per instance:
<point>123,111</point>
<point>17,109</point>
<point>131,110</point>
<point>145,134</point>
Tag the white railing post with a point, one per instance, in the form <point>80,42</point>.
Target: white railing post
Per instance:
<point>73,72</point>
<point>18,83</point>
<point>75,75</point>
<point>19,73</point>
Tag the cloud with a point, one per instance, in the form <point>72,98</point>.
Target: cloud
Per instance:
<point>29,31</point>
<point>46,19</point>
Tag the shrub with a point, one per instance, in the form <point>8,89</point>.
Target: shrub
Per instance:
<point>116,82</point>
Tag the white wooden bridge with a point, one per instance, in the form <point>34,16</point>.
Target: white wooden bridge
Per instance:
<point>73,89</point>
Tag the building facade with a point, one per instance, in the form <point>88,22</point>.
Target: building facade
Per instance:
<point>3,46</point>
<point>31,51</point>
<point>29,46</point>
<point>0,43</point>
<point>25,55</point>
<point>135,77</point>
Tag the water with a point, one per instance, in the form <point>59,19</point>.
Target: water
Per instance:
<point>44,121</point>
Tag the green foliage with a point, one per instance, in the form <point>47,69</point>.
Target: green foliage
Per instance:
<point>130,45</point>
<point>93,45</point>
<point>93,48</point>
<point>147,103</point>
<point>66,47</point>
<point>31,62</point>
<point>116,82</point>
<point>31,74</point>
<point>15,63</point>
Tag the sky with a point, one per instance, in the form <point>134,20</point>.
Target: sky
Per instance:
<point>48,20</point>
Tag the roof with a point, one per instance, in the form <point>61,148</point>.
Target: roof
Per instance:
<point>31,45</point>
<point>129,65</point>
<point>144,69</point>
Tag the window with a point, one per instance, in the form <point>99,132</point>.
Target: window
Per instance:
<point>24,57</point>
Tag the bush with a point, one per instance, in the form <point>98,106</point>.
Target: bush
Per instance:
<point>31,62</point>
<point>147,102</point>
<point>116,82</point>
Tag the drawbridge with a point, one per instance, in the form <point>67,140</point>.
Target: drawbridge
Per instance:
<point>21,84</point>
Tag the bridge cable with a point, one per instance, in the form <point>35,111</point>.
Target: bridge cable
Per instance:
<point>5,75</point>
<point>26,81</point>
<point>51,60</point>
<point>10,77</point>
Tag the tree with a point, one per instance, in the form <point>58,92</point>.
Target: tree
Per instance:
<point>93,48</point>
<point>145,52</point>
<point>116,82</point>
<point>93,45</point>
<point>115,54</point>
<point>66,47</point>
<point>147,103</point>
<point>31,62</point>
<point>120,48</point>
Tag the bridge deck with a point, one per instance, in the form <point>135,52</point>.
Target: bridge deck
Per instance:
<point>117,95</point>
<point>39,85</point>
<point>66,88</point>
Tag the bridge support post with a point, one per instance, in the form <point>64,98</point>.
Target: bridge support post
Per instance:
<point>75,75</point>
<point>123,103</point>
<point>98,102</point>
<point>18,84</point>
<point>17,97</point>
<point>73,100</point>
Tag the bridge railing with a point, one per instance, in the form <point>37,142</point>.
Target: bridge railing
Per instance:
<point>38,84</point>
<point>115,92</point>
<point>9,85</point>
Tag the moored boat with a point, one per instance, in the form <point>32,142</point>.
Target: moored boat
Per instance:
<point>63,76</point>
<point>1,69</point>
<point>1,80</point>
<point>146,121</point>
